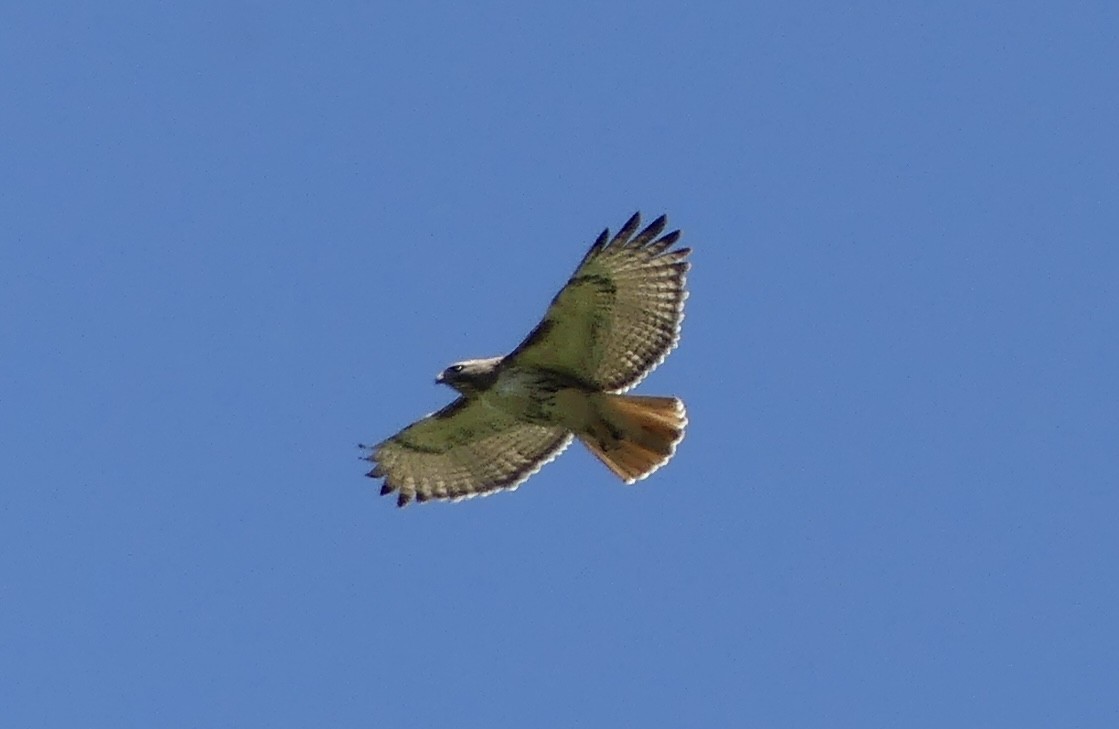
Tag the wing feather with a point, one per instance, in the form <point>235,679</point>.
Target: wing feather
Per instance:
<point>466,449</point>
<point>619,314</point>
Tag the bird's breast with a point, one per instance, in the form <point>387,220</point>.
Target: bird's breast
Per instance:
<point>531,395</point>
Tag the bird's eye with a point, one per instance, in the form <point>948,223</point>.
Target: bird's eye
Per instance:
<point>456,368</point>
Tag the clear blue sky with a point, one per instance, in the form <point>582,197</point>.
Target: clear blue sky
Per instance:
<point>236,239</point>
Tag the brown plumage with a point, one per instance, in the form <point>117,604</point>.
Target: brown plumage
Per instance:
<point>649,427</point>
<point>614,321</point>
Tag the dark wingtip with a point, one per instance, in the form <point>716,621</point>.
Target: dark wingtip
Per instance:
<point>596,246</point>
<point>385,489</point>
<point>402,500</point>
<point>663,243</point>
<point>650,233</point>
<point>628,229</point>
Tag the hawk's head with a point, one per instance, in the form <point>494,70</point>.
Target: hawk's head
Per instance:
<point>471,376</point>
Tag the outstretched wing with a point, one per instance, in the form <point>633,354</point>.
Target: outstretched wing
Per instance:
<point>465,449</point>
<point>619,314</point>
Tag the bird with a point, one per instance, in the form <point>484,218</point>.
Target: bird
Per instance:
<point>614,321</point>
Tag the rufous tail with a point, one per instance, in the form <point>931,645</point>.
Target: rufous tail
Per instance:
<point>638,433</point>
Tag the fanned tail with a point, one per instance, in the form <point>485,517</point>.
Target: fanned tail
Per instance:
<point>639,433</point>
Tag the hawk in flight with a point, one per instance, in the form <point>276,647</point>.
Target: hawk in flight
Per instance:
<point>616,319</point>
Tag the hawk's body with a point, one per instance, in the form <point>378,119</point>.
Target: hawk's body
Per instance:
<point>613,322</point>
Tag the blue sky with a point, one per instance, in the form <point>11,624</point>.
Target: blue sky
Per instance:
<point>236,239</point>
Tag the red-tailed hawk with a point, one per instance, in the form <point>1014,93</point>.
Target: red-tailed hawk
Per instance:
<point>616,319</point>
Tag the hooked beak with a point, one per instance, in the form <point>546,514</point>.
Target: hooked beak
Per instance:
<point>439,379</point>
